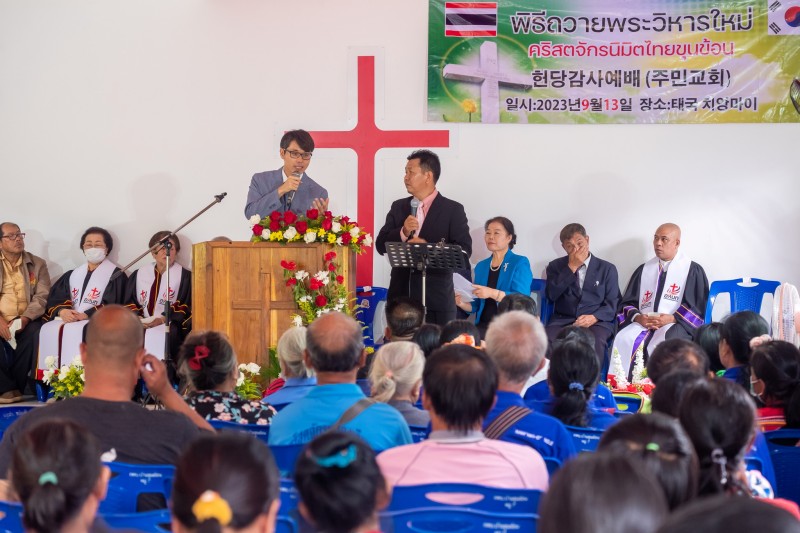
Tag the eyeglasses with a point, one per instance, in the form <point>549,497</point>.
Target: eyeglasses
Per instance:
<point>14,236</point>
<point>294,154</point>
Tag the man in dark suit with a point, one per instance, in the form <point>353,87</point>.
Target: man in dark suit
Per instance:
<point>438,219</point>
<point>583,288</point>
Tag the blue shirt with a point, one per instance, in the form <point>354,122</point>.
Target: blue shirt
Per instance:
<point>734,373</point>
<point>543,433</point>
<point>596,419</point>
<point>380,425</point>
<point>601,399</point>
<point>293,389</point>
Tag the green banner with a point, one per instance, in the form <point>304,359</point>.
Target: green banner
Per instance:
<point>614,61</point>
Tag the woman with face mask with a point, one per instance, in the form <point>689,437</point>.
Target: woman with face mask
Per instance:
<point>76,296</point>
<point>775,382</point>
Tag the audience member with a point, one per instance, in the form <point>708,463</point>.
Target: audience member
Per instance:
<point>666,398</point>
<point>335,351</point>
<point>737,331</point>
<point>722,514</point>
<point>708,337</point>
<point>225,482</point>
<point>340,485</point>
<point>208,363</point>
<point>57,474</point>
<point>428,338</point>
<point>298,379</point>
<point>516,341</point>
<point>459,386</point>
<point>605,493</point>
<point>775,381</point>
<point>24,286</point>
<point>676,354</point>
<point>114,358</point>
<point>660,443</point>
<point>396,378</point>
<point>517,302</point>
<point>572,379</point>
<point>404,316</point>
<point>456,328</point>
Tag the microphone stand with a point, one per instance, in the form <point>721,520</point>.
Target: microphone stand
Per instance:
<point>172,373</point>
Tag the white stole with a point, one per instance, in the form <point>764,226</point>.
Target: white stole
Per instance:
<point>625,343</point>
<point>145,277</point>
<point>98,282</point>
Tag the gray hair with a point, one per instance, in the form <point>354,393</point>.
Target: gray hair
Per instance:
<point>396,368</point>
<point>291,347</point>
<point>517,342</point>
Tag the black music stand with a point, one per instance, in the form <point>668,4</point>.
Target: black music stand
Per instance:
<point>423,255</point>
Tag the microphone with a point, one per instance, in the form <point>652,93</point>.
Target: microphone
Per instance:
<point>414,206</point>
<point>290,196</point>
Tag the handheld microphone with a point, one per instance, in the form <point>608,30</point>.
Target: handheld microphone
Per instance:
<point>290,196</point>
<point>414,206</point>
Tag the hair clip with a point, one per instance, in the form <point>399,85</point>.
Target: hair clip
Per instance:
<point>201,351</point>
<point>718,458</point>
<point>575,386</point>
<point>211,505</point>
<point>464,338</point>
<point>652,447</point>
<point>341,459</point>
<point>758,341</point>
<point>48,477</point>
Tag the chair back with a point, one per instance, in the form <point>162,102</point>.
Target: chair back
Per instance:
<point>585,439</point>
<point>148,522</point>
<point>552,464</point>
<point>628,402</point>
<point>419,433</point>
<point>286,457</point>
<point>785,457</point>
<point>371,312</point>
<point>8,415</point>
<point>261,432</point>
<point>544,307</point>
<point>365,386</point>
<point>288,516</point>
<point>11,517</point>
<point>746,294</point>
<point>128,481</point>
<point>422,508</point>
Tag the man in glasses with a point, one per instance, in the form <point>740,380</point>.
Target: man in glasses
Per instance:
<point>288,188</point>
<point>24,286</point>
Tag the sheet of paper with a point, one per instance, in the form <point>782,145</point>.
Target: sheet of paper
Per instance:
<point>463,288</point>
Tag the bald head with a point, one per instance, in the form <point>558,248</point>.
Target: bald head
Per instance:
<point>334,343</point>
<point>114,336</point>
<point>666,241</point>
<point>517,342</point>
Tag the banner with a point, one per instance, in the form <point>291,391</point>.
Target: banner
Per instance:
<point>614,61</point>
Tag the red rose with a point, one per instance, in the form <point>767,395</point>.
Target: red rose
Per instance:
<point>340,280</point>
<point>312,214</point>
<point>314,284</point>
<point>328,214</point>
<point>612,381</point>
<point>327,224</point>
<point>288,265</point>
<point>321,301</point>
<point>274,225</point>
<point>291,282</point>
<point>647,389</point>
<point>346,238</point>
<point>354,223</point>
<point>330,256</point>
<point>344,220</point>
<point>289,217</point>
<point>332,267</point>
<point>301,227</point>
<point>632,388</point>
<point>257,229</point>
<point>361,238</point>
<point>275,215</point>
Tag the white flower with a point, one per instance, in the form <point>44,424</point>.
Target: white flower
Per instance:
<point>354,232</point>
<point>310,237</point>
<point>336,227</point>
<point>239,383</point>
<point>255,219</point>
<point>367,240</point>
<point>290,233</point>
<point>301,275</point>
<point>242,367</point>
<point>342,301</point>
<point>83,377</point>
<point>77,361</point>
<point>50,361</point>
<point>305,298</point>
<point>323,277</point>
<point>47,375</point>
<point>253,368</point>
<point>297,320</point>
<point>63,371</point>
<point>339,241</point>
<point>319,312</point>
<point>337,307</point>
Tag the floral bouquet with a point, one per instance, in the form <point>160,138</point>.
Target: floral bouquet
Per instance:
<point>321,293</point>
<point>66,381</point>
<point>312,227</point>
<point>618,378</point>
<point>248,385</point>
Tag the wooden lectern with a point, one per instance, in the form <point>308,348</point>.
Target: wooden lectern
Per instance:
<point>238,288</point>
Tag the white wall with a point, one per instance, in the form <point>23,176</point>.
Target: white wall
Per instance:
<point>132,115</point>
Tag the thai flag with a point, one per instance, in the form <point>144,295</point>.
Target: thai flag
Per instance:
<point>470,19</point>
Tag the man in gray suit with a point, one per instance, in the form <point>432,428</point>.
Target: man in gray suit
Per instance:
<point>288,188</point>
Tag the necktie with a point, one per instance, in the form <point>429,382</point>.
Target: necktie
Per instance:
<point>420,216</point>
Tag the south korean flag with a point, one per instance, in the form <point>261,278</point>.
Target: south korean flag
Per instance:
<point>783,17</point>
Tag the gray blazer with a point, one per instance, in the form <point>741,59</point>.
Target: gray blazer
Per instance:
<point>263,199</point>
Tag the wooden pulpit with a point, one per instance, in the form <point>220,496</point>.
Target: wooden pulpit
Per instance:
<point>238,288</point>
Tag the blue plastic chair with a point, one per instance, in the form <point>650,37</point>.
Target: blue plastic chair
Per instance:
<point>128,481</point>
<point>786,460</point>
<point>545,306</point>
<point>286,457</point>
<point>258,431</point>
<point>8,415</point>
<point>743,298</point>
<point>585,439</point>
<point>629,403</point>
<point>365,386</point>
<point>419,433</point>
<point>149,522</point>
<point>552,464</point>
<point>287,521</point>
<point>368,301</point>
<point>412,509</point>
<point>11,517</point>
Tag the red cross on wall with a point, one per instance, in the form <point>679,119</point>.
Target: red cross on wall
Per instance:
<point>366,139</point>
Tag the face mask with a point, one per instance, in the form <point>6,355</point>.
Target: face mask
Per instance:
<point>95,255</point>
<point>753,392</point>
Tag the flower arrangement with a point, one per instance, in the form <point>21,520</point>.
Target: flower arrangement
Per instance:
<point>618,378</point>
<point>248,385</point>
<point>321,293</point>
<point>66,381</point>
<point>312,227</point>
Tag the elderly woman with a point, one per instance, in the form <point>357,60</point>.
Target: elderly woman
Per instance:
<point>77,295</point>
<point>148,290</point>
<point>502,273</point>
<point>207,361</point>
<point>298,379</point>
<point>396,379</point>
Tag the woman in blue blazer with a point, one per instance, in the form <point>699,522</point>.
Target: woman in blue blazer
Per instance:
<point>503,273</point>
